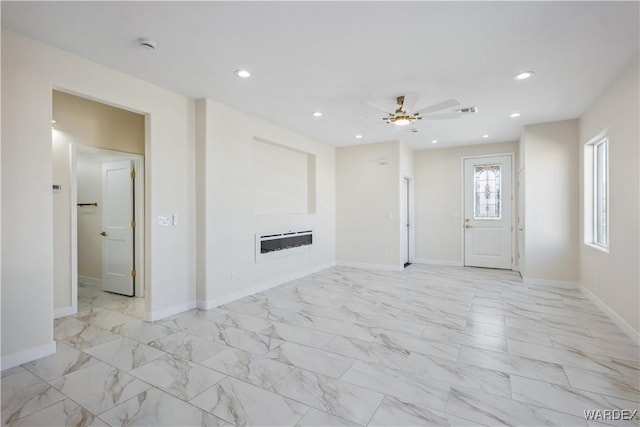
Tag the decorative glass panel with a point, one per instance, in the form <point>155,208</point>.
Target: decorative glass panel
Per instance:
<point>487,183</point>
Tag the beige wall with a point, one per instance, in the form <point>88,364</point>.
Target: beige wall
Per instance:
<point>614,277</point>
<point>227,207</point>
<point>98,125</point>
<point>83,122</point>
<point>30,72</point>
<point>551,201</point>
<point>368,205</point>
<point>438,200</point>
<point>89,176</point>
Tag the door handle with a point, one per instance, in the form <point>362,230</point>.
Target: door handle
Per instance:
<point>103,233</point>
<point>468,226</point>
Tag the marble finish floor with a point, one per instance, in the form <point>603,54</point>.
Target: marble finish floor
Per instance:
<point>425,346</point>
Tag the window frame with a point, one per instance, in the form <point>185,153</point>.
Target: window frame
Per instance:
<point>597,195</point>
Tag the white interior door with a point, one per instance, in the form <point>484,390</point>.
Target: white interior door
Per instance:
<point>117,228</point>
<point>488,204</point>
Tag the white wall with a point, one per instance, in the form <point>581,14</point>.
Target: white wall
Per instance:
<point>368,205</point>
<point>30,72</point>
<point>614,277</point>
<point>89,218</point>
<point>280,179</point>
<point>227,208</point>
<point>551,201</point>
<point>438,201</point>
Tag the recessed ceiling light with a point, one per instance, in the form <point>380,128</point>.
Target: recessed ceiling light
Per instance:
<point>435,141</point>
<point>358,136</point>
<point>523,75</point>
<point>516,114</point>
<point>485,136</point>
<point>317,114</point>
<point>243,73</point>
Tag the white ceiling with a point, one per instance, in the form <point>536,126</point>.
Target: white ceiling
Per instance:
<point>334,57</point>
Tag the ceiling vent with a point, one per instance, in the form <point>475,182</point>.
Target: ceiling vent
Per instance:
<point>467,110</point>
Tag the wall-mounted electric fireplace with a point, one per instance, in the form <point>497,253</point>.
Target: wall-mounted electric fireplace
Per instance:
<point>272,245</point>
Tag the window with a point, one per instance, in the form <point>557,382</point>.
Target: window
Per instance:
<point>597,192</point>
<point>487,183</point>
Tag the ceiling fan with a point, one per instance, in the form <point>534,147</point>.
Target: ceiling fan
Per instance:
<point>402,115</point>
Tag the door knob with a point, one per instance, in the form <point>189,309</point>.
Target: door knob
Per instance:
<point>103,233</point>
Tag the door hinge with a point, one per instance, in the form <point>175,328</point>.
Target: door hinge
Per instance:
<point>133,174</point>
<point>133,273</point>
<point>133,224</point>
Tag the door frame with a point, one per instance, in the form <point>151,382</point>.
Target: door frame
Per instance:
<point>512,155</point>
<point>410,213</point>
<point>139,216</point>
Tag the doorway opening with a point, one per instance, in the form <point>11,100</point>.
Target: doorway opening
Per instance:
<point>99,164</point>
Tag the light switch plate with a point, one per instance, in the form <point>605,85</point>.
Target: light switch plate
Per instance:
<point>164,221</point>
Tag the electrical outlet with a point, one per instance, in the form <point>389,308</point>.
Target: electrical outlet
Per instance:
<point>233,276</point>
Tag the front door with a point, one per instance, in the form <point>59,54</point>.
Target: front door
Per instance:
<point>118,228</point>
<point>487,204</point>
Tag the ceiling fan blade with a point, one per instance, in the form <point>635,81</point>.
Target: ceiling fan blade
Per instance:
<point>444,116</point>
<point>377,107</point>
<point>439,106</point>
<point>410,102</point>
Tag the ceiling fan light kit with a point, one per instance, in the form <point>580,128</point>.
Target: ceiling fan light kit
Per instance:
<point>401,117</point>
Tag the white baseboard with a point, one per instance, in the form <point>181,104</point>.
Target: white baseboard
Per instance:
<point>615,318</point>
<point>28,355</point>
<point>90,281</point>
<point>225,299</point>
<point>367,266</point>
<point>438,262</point>
<point>169,311</point>
<point>566,284</point>
<point>64,311</point>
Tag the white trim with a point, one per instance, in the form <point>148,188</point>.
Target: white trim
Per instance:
<point>225,299</point>
<point>615,318</point>
<point>453,263</point>
<point>90,281</point>
<point>16,359</point>
<point>367,266</point>
<point>548,282</point>
<point>64,311</point>
<point>152,316</point>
